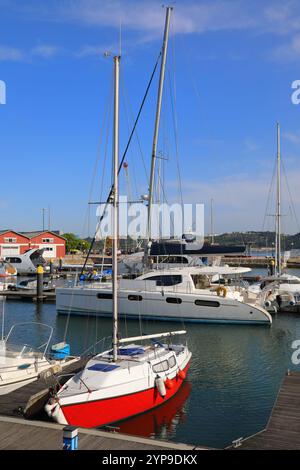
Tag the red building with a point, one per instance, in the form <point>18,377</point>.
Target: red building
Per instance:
<point>16,243</point>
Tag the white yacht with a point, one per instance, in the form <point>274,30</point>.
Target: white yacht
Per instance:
<point>177,294</point>
<point>28,261</point>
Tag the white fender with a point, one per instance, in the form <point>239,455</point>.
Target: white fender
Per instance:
<point>160,385</point>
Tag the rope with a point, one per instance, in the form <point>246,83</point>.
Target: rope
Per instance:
<point>122,160</point>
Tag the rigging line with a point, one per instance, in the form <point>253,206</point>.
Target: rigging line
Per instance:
<point>107,108</point>
<point>269,195</point>
<point>126,96</point>
<point>173,93</point>
<point>123,158</point>
<point>290,196</point>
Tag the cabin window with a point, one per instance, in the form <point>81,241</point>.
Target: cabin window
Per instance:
<point>165,280</point>
<point>173,259</point>
<point>13,260</point>
<point>160,367</point>
<point>207,303</point>
<point>173,300</point>
<point>172,361</point>
<point>103,295</point>
<point>200,281</point>
<point>135,297</point>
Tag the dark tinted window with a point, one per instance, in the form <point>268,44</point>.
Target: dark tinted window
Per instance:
<point>173,300</point>
<point>135,297</point>
<point>13,260</point>
<point>207,303</point>
<point>167,280</point>
<point>103,295</point>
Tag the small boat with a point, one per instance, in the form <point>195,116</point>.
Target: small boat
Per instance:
<point>27,262</point>
<point>21,364</point>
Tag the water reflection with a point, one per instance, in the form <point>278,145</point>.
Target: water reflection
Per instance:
<point>162,422</point>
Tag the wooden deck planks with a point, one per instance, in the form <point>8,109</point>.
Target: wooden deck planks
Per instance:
<point>283,428</point>
<point>18,434</point>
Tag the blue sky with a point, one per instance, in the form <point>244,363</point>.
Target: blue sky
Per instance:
<point>230,65</point>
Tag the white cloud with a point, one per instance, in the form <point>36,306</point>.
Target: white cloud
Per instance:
<point>8,53</point>
<point>240,200</point>
<point>45,51</point>
<point>293,137</point>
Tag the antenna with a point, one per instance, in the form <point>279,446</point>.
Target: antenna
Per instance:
<point>120,39</point>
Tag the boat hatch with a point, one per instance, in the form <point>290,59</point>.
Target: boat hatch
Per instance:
<point>24,366</point>
<point>130,351</point>
<point>103,367</point>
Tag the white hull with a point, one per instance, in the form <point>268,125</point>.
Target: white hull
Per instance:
<point>156,305</point>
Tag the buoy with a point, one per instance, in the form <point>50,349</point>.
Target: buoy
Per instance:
<point>169,384</point>
<point>181,374</point>
<point>160,385</point>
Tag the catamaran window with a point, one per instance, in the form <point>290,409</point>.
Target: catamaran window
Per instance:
<point>173,300</point>
<point>172,259</point>
<point>103,295</point>
<point>172,361</point>
<point>207,303</point>
<point>166,280</point>
<point>200,281</point>
<point>161,367</point>
<point>13,260</point>
<point>135,297</point>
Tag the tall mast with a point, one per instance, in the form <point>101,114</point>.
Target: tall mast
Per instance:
<point>115,208</point>
<point>157,117</point>
<point>278,208</point>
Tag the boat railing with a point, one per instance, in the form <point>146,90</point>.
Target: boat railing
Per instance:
<point>103,346</point>
<point>46,344</point>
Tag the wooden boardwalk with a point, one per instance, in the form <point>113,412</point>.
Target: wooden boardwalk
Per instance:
<point>30,294</point>
<point>18,434</point>
<point>30,399</point>
<point>283,428</point>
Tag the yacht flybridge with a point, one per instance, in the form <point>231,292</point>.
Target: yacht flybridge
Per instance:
<point>129,378</point>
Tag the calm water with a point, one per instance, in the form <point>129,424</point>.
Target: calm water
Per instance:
<point>233,380</point>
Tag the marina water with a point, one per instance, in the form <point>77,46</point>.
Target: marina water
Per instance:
<point>232,384</point>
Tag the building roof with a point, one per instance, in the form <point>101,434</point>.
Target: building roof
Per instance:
<point>33,233</point>
<point>36,233</point>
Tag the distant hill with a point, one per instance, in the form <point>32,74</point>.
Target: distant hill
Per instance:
<point>258,239</point>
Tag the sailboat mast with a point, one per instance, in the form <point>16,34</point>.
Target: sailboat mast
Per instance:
<point>157,117</point>
<point>115,207</point>
<point>278,208</point>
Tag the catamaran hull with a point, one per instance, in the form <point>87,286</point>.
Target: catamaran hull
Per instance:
<point>95,413</point>
<point>157,306</point>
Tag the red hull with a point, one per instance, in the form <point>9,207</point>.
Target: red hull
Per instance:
<point>97,413</point>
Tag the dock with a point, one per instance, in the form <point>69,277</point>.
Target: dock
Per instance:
<point>28,295</point>
<point>29,400</point>
<point>283,428</point>
<point>18,434</point>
